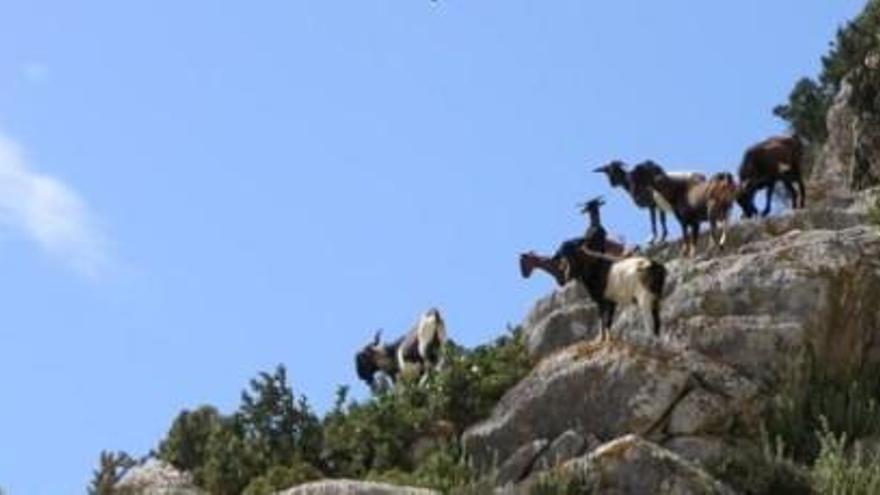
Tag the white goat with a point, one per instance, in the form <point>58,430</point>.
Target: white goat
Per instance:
<point>417,352</point>
<point>611,282</point>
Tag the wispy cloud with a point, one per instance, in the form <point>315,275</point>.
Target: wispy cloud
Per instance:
<point>50,213</point>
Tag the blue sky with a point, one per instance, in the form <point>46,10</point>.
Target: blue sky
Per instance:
<point>191,193</point>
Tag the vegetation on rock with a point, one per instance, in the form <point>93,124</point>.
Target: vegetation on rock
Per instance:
<point>854,56</point>
<point>274,440</point>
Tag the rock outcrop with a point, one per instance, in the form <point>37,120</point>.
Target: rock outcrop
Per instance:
<point>790,293</point>
<point>351,487</point>
<point>632,465</point>
<point>849,160</point>
<point>155,477</point>
<point>610,390</point>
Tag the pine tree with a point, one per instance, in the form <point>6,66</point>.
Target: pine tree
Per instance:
<point>111,468</point>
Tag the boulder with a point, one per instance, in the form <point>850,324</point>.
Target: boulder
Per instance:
<point>792,288</point>
<point>608,390</point>
<point>351,487</point>
<point>849,160</point>
<point>633,466</point>
<point>518,465</point>
<point>565,447</point>
<point>155,477</point>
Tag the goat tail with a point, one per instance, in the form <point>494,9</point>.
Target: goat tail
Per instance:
<point>654,277</point>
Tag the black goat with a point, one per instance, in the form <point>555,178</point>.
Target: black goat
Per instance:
<point>637,183</point>
<point>775,159</point>
<point>613,281</point>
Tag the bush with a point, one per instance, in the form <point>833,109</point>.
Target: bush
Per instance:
<point>280,478</point>
<point>874,211</point>
<point>186,445</point>
<point>382,437</point>
<point>841,469</point>
<point>841,404</point>
<point>112,466</point>
<point>408,434</point>
<point>561,482</point>
<point>272,436</point>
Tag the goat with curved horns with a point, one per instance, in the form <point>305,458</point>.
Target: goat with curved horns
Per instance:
<point>637,183</point>
<point>764,164</point>
<point>418,351</point>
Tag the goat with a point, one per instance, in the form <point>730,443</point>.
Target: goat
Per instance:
<point>637,185</point>
<point>697,202</point>
<point>772,160</point>
<point>417,351</point>
<point>610,281</point>
<point>559,265</point>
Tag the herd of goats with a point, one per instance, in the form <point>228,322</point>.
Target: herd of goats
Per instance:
<point>612,274</point>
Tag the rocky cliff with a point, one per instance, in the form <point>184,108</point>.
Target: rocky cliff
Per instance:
<point>790,294</point>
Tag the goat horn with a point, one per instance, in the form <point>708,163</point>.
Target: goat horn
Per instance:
<point>603,168</point>
<point>378,337</point>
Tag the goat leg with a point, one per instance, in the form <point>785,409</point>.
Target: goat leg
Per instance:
<point>803,191</point>
<point>770,189</point>
<point>653,212</point>
<point>789,187</point>
<point>713,231</point>
<point>663,225</point>
<point>655,316</point>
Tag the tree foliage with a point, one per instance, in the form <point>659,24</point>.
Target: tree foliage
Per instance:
<point>408,434</point>
<point>272,429</point>
<point>854,56</point>
<point>112,466</point>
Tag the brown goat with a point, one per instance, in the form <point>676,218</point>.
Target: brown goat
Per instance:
<point>764,164</point>
<point>697,202</point>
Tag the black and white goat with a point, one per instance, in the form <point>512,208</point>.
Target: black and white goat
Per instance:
<point>417,352</point>
<point>766,163</point>
<point>615,281</point>
<point>637,183</point>
<point>696,202</point>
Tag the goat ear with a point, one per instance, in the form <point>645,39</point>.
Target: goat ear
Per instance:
<point>378,337</point>
<point>603,168</point>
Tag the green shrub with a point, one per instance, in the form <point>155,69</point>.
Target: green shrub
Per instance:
<point>843,469</point>
<point>848,404</point>
<point>408,434</point>
<point>379,435</point>
<point>186,445</point>
<point>112,466</point>
<point>280,478</point>
<point>760,472</point>
<point>272,435</point>
<point>874,211</point>
<point>561,482</point>
<point>443,470</point>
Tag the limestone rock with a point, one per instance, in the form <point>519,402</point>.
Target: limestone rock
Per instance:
<point>607,390</point>
<point>155,477</point>
<point>351,487</point>
<point>517,466</point>
<point>633,466</point>
<point>564,448</point>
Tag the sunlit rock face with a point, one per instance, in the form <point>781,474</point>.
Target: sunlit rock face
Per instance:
<point>792,292</point>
